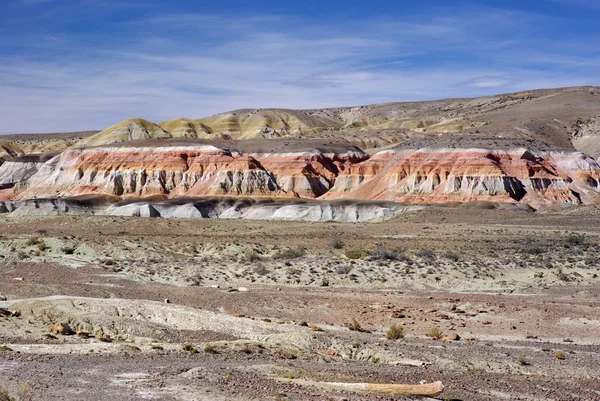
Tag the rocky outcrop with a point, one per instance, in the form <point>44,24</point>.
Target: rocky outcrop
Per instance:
<point>211,208</point>
<point>14,172</point>
<point>198,170</point>
<point>422,177</point>
<point>434,176</point>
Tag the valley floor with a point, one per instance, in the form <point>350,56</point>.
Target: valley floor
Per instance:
<point>169,309</point>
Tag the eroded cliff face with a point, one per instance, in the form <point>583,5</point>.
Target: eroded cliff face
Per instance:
<point>432,176</point>
<point>425,176</point>
<point>187,171</point>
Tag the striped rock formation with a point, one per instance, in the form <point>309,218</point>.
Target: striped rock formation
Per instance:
<point>425,176</point>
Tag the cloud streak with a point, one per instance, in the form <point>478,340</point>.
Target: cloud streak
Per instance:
<point>189,65</point>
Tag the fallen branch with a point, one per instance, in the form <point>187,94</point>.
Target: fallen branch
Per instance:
<point>422,390</point>
<point>409,362</point>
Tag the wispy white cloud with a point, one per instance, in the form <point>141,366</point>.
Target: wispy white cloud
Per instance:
<point>195,65</point>
<point>590,4</point>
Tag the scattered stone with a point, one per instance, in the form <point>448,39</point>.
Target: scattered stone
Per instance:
<point>18,278</point>
<point>243,289</point>
<point>167,301</point>
<point>409,362</point>
<point>3,298</point>
<point>328,352</point>
<point>9,313</point>
<point>61,328</point>
<point>83,334</point>
<point>451,337</point>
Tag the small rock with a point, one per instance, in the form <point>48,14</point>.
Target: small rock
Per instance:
<point>18,278</point>
<point>9,313</point>
<point>61,328</point>
<point>3,298</point>
<point>451,337</point>
<point>167,301</point>
<point>242,289</point>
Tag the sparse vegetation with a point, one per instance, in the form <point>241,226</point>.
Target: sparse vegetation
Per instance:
<point>190,348</point>
<point>395,332</point>
<point>354,325</point>
<point>560,355</point>
<point>428,254</point>
<point>261,270</point>
<point>336,241</point>
<point>32,241</point>
<point>68,250</point>
<point>435,333</point>
<point>251,255</point>
<point>290,253</point>
<point>23,394</point>
<point>383,254</point>
<point>210,349</point>
<point>451,256</point>
<point>575,239</point>
<point>355,253</point>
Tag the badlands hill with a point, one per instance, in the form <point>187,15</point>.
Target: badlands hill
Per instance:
<point>553,119</point>
<point>531,150</point>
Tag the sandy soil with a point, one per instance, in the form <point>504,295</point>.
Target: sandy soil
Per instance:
<point>250,303</point>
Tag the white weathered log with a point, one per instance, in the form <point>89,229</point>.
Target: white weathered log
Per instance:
<point>422,390</point>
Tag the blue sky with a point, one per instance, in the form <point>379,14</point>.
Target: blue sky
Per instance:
<point>72,65</point>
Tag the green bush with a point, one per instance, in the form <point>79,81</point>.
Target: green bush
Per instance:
<point>435,333</point>
<point>395,332</point>
<point>355,253</point>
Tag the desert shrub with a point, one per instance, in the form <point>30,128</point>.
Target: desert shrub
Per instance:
<point>324,283</point>
<point>427,254</point>
<point>210,349</point>
<point>251,255</point>
<point>354,325</point>
<point>261,270</point>
<point>562,276</point>
<point>285,354</point>
<point>533,249</point>
<point>395,332</point>
<point>451,256</point>
<point>336,241</point>
<point>435,333</point>
<point>355,253</point>
<point>190,348</point>
<point>290,253</point>
<point>288,375</point>
<point>68,250</point>
<point>560,355</point>
<point>575,239</point>
<point>32,241</point>
<point>343,269</point>
<point>383,254</point>
<point>24,394</point>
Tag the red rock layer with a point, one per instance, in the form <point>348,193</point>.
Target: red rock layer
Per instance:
<point>425,176</point>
